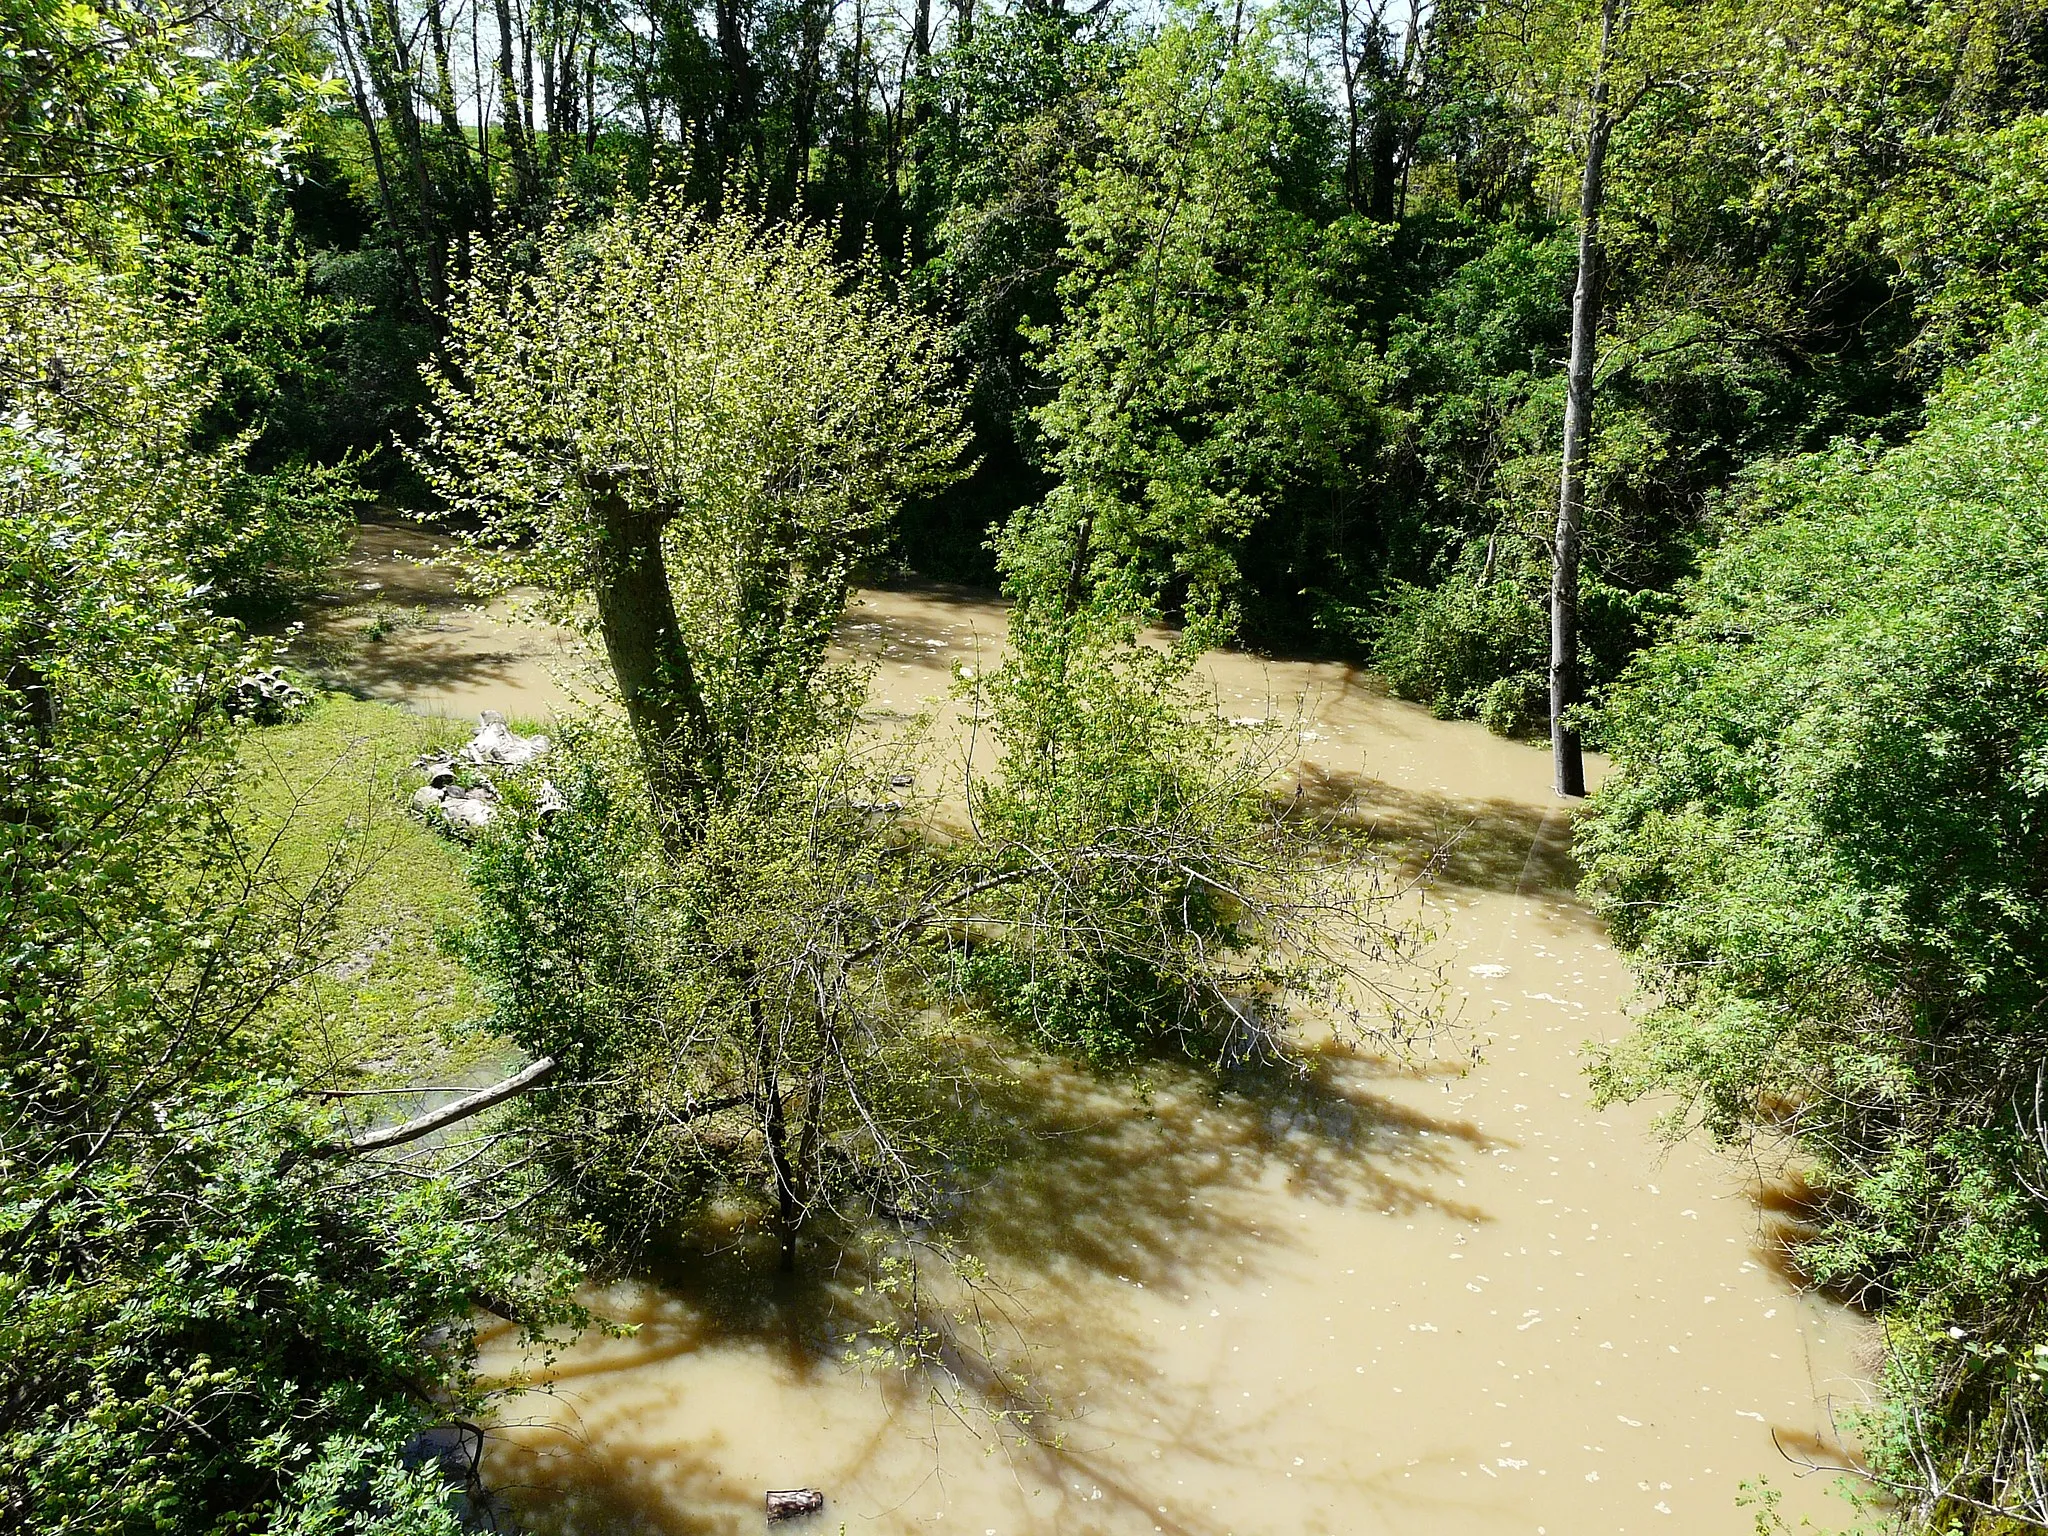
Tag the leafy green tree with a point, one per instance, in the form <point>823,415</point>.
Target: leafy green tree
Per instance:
<point>695,420</point>
<point>701,425</point>
<point>793,1010</point>
<point>1013,109</point>
<point>1210,374</point>
<point>99,355</point>
<point>1966,232</point>
<point>1823,849</point>
<point>122,109</point>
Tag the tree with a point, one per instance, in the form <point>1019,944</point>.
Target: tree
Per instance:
<point>1567,760</point>
<point>1211,379</point>
<point>702,426</point>
<point>118,109</point>
<point>795,1010</point>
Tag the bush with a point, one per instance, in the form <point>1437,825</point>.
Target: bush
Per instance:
<point>1826,849</point>
<point>1449,646</point>
<point>1516,705</point>
<point>1473,652</point>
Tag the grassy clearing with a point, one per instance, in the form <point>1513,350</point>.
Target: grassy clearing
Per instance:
<point>393,1006</point>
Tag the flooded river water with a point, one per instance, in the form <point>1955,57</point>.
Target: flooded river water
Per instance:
<point>1447,1298</point>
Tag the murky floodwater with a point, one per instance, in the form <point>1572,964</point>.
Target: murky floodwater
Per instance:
<point>1446,1299</point>
<point>395,626</point>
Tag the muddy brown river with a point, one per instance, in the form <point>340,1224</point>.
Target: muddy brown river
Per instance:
<point>1395,1298</point>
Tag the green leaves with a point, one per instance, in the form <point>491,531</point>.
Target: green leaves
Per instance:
<point>195,1310</point>
<point>1208,372</point>
<point>118,110</point>
<point>762,412</point>
<point>1824,848</point>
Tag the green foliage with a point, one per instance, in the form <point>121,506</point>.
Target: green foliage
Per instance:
<point>1967,231</point>
<point>747,1019</point>
<point>1212,384</point>
<point>1179,912</point>
<point>99,357</point>
<point>276,534</point>
<point>207,1322</point>
<point>1823,849</point>
<point>119,109</point>
<point>1448,646</point>
<point>1004,117</point>
<point>757,411</point>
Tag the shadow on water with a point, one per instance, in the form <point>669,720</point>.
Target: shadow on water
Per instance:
<point>1172,1194</point>
<point>636,1496</point>
<point>1125,1185</point>
<point>415,664</point>
<point>1487,844</point>
<point>1162,1186</point>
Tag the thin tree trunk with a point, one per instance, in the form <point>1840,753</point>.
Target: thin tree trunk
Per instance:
<point>1413,65</point>
<point>737,99</point>
<point>444,77</point>
<point>344,35</point>
<point>518,138</point>
<point>916,115</point>
<point>1566,755</point>
<point>774,1130</point>
<point>1350,72</point>
<point>803,131</point>
<point>483,116</point>
<point>526,96</point>
<point>657,682</point>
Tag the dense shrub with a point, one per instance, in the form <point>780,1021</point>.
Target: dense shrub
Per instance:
<point>1447,646</point>
<point>1826,849</point>
<point>207,1324</point>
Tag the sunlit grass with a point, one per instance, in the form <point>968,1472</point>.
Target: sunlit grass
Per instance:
<point>392,1004</point>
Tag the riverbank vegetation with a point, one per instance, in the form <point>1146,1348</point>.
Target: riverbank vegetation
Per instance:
<point>1824,849</point>
<point>1668,377</point>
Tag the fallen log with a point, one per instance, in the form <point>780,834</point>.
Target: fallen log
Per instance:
<point>788,1503</point>
<point>448,1114</point>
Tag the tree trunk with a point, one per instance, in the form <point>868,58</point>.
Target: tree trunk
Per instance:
<point>444,79</point>
<point>738,101</point>
<point>1352,181</point>
<point>1567,758</point>
<point>511,111</point>
<point>657,682</point>
<point>344,35</point>
<point>789,1208</point>
<point>803,129</point>
<point>466,1108</point>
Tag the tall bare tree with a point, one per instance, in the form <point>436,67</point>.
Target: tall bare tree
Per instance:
<point>1567,755</point>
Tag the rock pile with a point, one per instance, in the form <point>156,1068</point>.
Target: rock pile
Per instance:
<point>265,696</point>
<point>464,809</point>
